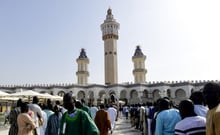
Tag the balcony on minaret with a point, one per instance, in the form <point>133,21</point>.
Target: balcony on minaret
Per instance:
<point>82,73</point>
<point>139,70</point>
<point>110,27</point>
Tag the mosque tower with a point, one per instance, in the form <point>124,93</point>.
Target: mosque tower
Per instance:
<point>110,36</point>
<point>139,71</point>
<point>82,73</point>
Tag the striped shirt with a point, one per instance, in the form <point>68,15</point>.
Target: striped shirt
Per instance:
<point>195,125</point>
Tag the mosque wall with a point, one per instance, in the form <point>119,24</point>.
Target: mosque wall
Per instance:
<point>130,93</point>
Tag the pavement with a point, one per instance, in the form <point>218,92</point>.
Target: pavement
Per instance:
<point>122,127</point>
<point>4,130</point>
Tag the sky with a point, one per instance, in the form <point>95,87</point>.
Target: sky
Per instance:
<point>40,40</point>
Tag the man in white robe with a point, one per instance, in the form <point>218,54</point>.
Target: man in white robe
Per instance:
<point>37,113</point>
<point>112,114</point>
<point>44,126</point>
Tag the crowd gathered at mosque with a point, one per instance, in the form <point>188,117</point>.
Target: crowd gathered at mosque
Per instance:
<point>198,115</point>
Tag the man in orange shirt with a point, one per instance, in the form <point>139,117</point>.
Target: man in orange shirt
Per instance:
<point>102,121</point>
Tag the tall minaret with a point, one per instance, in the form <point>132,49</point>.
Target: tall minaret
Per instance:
<point>110,36</point>
<point>82,73</point>
<point>139,71</point>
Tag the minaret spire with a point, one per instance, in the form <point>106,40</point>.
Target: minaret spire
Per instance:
<point>110,36</point>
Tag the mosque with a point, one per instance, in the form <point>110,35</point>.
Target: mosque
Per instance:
<point>141,91</point>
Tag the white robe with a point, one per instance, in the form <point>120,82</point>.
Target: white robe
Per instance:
<point>112,114</point>
<point>37,110</point>
<point>44,126</point>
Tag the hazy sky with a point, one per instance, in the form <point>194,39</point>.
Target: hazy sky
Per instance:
<point>40,40</point>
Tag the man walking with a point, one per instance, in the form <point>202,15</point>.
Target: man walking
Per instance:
<point>102,120</point>
<point>211,92</point>
<point>76,121</point>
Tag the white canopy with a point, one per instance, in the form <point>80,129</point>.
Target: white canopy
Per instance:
<point>46,95</point>
<point>31,93</point>
<point>52,97</point>
<point>3,94</point>
<point>28,93</point>
<point>9,98</point>
<point>56,97</point>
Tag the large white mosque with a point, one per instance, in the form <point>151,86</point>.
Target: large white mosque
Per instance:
<point>141,91</point>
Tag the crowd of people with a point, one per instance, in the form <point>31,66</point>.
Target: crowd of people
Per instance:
<point>198,115</point>
<point>73,117</point>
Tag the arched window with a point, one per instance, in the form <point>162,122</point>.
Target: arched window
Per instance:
<point>61,93</point>
<point>168,93</point>
<point>81,95</point>
<point>145,94</point>
<point>180,93</point>
<point>133,94</point>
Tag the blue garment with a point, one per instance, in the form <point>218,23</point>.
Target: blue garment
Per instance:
<point>201,110</point>
<point>48,112</point>
<point>166,121</point>
<point>53,125</point>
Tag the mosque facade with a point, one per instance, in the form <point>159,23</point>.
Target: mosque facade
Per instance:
<point>141,91</point>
